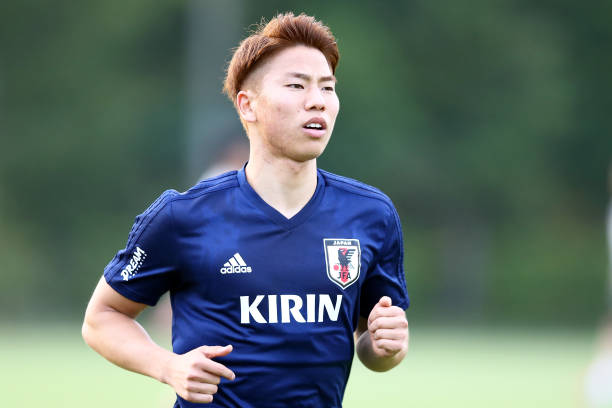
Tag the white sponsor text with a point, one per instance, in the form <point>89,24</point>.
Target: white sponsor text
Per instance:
<point>290,309</point>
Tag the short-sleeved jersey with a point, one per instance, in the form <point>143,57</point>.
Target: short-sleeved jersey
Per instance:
<point>286,293</point>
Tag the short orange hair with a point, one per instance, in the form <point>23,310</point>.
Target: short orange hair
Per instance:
<point>283,31</point>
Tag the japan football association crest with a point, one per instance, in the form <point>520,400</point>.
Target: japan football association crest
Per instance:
<point>343,260</point>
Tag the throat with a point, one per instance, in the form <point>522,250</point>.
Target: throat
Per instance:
<point>287,212</point>
<point>287,202</point>
<point>284,189</point>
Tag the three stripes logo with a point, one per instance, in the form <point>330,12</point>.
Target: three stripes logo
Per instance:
<point>235,265</point>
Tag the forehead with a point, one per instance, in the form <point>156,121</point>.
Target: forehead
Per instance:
<point>306,60</point>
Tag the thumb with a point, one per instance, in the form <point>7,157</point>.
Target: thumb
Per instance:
<point>216,351</point>
<point>385,301</point>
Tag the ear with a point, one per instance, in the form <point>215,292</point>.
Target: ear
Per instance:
<point>245,101</point>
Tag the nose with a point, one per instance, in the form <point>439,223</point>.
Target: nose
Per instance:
<point>315,100</point>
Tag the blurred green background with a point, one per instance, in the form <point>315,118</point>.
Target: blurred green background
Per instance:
<point>486,122</point>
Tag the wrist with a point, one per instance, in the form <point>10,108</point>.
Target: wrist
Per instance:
<point>163,373</point>
<point>378,359</point>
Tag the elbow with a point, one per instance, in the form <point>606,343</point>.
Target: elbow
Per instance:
<point>87,329</point>
<point>86,332</point>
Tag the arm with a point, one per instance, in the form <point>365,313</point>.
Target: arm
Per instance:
<point>381,341</point>
<point>110,329</point>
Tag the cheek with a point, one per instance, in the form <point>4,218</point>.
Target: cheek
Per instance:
<point>283,117</point>
<point>271,112</point>
<point>279,116</point>
<point>334,106</point>
<point>276,108</point>
<point>277,119</point>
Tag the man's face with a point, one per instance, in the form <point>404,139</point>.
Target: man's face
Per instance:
<point>295,103</point>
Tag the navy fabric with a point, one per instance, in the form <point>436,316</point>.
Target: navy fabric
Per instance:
<point>283,302</point>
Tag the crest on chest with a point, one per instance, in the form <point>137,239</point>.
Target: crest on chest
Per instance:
<point>342,260</point>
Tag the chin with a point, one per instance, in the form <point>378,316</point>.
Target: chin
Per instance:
<point>304,156</point>
<point>305,152</point>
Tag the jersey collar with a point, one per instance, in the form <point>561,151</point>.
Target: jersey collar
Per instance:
<point>271,212</point>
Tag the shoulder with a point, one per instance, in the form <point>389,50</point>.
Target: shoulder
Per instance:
<point>203,196</point>
<point>358,191</point>
<point>209,186</point>
<point>172,202</point>
<point>203,188</point>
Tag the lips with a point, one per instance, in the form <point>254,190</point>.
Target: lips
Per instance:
<point>315,124</point>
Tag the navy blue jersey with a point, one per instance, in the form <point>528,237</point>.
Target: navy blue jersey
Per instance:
<point>286,293</point>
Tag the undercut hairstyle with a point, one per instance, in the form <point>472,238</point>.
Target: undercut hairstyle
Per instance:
<point>283,31</point>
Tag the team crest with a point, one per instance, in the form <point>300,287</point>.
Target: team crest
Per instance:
<point>343,260</point>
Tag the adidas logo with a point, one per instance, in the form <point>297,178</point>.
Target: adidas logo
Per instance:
<point>235,265</point>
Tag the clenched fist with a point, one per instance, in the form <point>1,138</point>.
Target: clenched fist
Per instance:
<point>388,328</point>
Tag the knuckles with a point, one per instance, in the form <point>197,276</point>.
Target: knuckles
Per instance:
<point>193,375</point>
<point>388,322</point>
<point>398,334</point>
<point>391,311</point>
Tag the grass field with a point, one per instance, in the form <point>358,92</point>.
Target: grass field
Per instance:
<point>50,366</point>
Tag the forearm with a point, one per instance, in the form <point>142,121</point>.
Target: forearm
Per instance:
<point>124,342</point>
<point>375,362</point>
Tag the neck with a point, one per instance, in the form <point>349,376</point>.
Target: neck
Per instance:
<point>284,184</point>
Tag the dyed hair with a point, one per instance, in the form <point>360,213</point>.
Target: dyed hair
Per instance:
<point>283,31</point>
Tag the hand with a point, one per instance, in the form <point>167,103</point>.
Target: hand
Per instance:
<point>194,376</point>
<point>388,328</point>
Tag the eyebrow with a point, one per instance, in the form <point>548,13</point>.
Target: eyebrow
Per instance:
<point>307,77</point>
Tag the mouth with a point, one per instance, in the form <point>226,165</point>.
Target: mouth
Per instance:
<point>315,126</point>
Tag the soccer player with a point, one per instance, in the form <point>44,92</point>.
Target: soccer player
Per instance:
<point>277,272</point>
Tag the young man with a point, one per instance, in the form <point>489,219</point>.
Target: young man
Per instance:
<point>271,269</point>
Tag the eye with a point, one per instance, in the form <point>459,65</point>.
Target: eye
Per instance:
<point>295,86</point>
<point>328,88</point>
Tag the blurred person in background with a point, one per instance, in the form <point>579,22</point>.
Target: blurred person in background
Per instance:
<point>609,239</point>
<point>598,379</point>
<point>277,272</point>
<point>231,155</point>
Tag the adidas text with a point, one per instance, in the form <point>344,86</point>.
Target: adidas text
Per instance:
<point>236,269</point>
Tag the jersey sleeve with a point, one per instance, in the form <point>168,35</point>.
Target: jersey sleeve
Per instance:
<point>386,276</point>
<point>146,268</point>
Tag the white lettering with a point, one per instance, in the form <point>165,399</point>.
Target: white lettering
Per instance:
<point>136,261</point>
<point>310,308</point>
<point>247,310</point>
<point>236,269</point>
<point>294,310</point>
<point>290,309</point>
<point>272,313</point>
<point>326,303</point>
